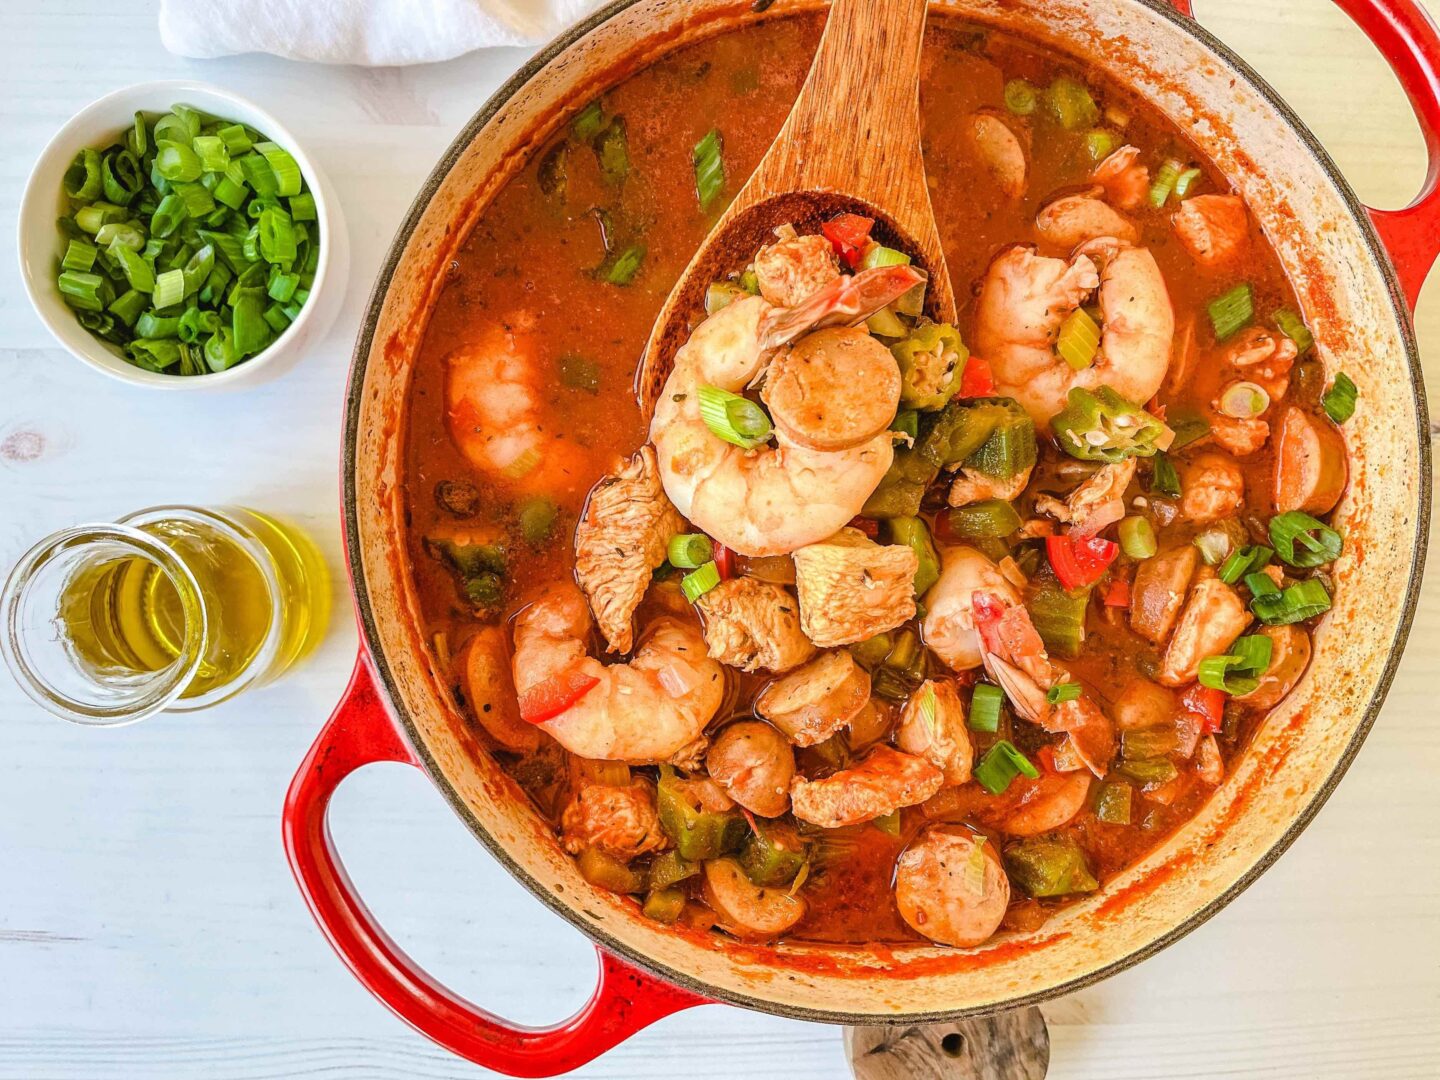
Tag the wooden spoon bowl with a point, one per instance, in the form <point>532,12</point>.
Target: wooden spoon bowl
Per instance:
<point>851,144</point>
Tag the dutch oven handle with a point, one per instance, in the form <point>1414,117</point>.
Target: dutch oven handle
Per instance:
<point>359,733</point>
<point>1408,39</point>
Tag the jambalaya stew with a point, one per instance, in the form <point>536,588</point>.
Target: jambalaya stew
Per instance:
<point>880,630</point>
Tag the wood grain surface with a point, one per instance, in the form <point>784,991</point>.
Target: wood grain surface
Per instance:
<point>148,925</point>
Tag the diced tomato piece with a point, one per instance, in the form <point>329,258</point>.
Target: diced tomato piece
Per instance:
<point>1117,593</point>
<point>1206,703</point>
<point>549,699</point>
<point>849,233</point>
<point>977,380</point>
<point>724,561</point>
<point>869,526</point>
<point>1045,758</point>
<point>1078,563</point>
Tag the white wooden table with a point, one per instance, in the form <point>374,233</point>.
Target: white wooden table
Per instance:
<point>148,924</point>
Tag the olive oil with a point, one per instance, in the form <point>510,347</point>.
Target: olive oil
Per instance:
<point>175,607</point>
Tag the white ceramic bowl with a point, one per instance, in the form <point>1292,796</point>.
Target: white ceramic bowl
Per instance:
<point>41,243</point>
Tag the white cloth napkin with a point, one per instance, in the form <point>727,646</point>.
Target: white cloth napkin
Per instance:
<point>369,32</point>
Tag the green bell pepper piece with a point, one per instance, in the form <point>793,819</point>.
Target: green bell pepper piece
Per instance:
<point>1049,866</point>
<point>698,833</point>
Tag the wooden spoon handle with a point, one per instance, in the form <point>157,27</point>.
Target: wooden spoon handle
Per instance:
<point>856,125</point>
<point>1011,1045</point>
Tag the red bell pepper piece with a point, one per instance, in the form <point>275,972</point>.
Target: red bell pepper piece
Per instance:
<point>869,526</point>
<point>977,380</point>
<point>1206,703</point>
<point>1117,593</point>
<point>724,561</point>
<point>547,700</point>
<point>849,233</point>
<point>1078,563</point>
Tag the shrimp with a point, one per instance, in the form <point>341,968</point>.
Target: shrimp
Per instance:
<point>884,782</point>
<point>494,393</point>
<point>949,624</point>
<point>950,886</point>
<point>1215,229</point>
<point>1026,298</point>
<point>1074,219</point>
<point>1125,180</point>
<point>1256,357</point>
<point>652,709</point>
<point>774,499</point>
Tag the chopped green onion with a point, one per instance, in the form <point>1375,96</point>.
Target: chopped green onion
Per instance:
<point>128,306</point>
<point>1188,428</point>
<point>1261,584</point>
<point>151,325</point>
<point>612,150</point>
<point>169,289</point>
<point>197,198</point>
<point>212,152</point>
<point>1062,692</point>
<point>138,273</point>
<point>1339,400</point>
<point>1164,184</point>
<point>1318,543</point>
<point>86,292</point>
<point>700,581</point>
<point>287,173</point>
<point>97,215</point>
<point>153,355</point>
<point>168,216</point>
<point>82,179</point>
<point>176,161</point>
<point>621,268</point>
<point>1001,764</point>
<point>236,139</point>
<point>1301,601</point>
<point>1021,97</point>
<point>1243,400</point>
<point>277,236</point>
<point>1163,477</point>
<point>121,176</point>
<point>690,550</point>
<point>985,702</point>
<point>281,287</point>
<point>1100,144</point>
<point>259,175</point>
<point>1185,181</point>
<point>1112,805</point>
<point>1137,537</point>
<point>277,319</point>
<point>1246,560</point>
<point>1231,312</point>
<point>880,255</point>
<point>709,168</point>
<point>78,256</point>
<point>1237,672</point>
<point>121,234</point>
<point>1079,340</point>
<point>302,207</point>
<point>734,418</point>
<point>1293,327</point>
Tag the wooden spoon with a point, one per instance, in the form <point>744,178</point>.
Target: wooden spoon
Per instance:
<point>851,143</point>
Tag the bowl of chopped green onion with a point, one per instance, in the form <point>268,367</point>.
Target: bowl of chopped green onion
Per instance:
<point>175,234</point>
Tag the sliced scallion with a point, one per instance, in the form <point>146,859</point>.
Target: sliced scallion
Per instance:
<point>1293,327</point>
<point>1185,183</point>
<point>734,418</point>
<point>1062,692</point>
<point>1303,541</point>
<point>1246,560</point>
<point>1001,764</point>
<point>621,267</point>
<point>1021,97</point>
<point>1301,601</point>
<point>1339,400</point>
<point>985,702</point>
<point>1163,477</point>
<point>709,168</point>
<point>78,256</point>
<point>689,551</point>
<point>169,289</point>
<point>1238,671</point>
<point>1164,184</point>
<point>82,179</point>
<point>1232,311</point>
<point>282,164</point>
<point>700,581</point>
<point>1137,537</point>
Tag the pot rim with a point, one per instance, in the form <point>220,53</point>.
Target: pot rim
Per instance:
<point>371,639</point>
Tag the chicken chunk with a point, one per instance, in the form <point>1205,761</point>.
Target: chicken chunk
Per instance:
<point>1098,502</point>
<point>1159,590</point>
<point>794,267</point>
<point>489,689</point>
<point>1213,617</point>
<point>885,781</point>
<point>971,486</point>
<point>752,625</point>
<point>1211,487</point>
<point>932,726</point>
<point>1215,229</point>
<point>852,588</point>
<point>620,821</point>
<point>619,542</point>
<point>813,702</point>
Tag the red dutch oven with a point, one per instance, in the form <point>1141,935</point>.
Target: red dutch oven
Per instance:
<point>1357,273</point>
